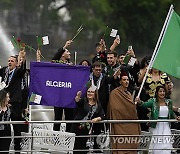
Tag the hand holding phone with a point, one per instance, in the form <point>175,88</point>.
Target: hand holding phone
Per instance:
<point>118,37</point>
<point>117,40</point>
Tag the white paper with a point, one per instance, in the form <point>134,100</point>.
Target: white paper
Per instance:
<point>2,85</point>
<point>10,46</point>
<point>45,40</point>
<point>118,37</point>
<point>132,61</point>
<point>113,33</point>
<point>37,99</point>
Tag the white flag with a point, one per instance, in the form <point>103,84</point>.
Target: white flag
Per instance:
<point>113,33</point>
<point>2,85</point>
<point>45,40</point>
<point>132,61</point>
<point>37,99</point>
<point>118,37</point>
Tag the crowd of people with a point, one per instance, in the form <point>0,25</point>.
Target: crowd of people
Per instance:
<point>114,84</point>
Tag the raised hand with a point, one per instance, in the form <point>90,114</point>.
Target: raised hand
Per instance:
<point>38,55</point>
<point>78,96</point>
<point>67,44</point>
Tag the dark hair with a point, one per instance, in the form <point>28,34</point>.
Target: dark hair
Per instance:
<point>123,73</point>
<point>145,60</point>
<point>113,52</point>
<point>157,90</point>
<point>97,44</point>
<point>89,64</point>
<point>3,94</point>
<point>16,57</point>
<point>150,71</point>
<point>122,54</point>
<point>96,64</point>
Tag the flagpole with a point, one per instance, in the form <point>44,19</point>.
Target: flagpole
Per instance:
<point>171,10</point>
<point>157,47</point>
<point>37,42</point>
<point>38,47</point>
<point>105,32</point>
<point>78,31</point>
<point>30,117</point>
<point>75,57</point>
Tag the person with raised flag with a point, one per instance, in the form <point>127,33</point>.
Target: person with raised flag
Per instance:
<point>88,108</point>
<point>101,50</point>
<point>154,78</point>
<point>166,52</point>
<point>63,57</point>
<point>25,94</point>
<point>12,76</point>
<point>122,107</point>
<point>131,70</point>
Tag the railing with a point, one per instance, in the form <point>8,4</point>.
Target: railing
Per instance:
<point>40,134</point>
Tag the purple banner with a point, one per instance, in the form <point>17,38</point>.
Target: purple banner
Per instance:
<point>57,83</point>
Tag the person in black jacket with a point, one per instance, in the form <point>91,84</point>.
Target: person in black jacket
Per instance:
<point>101,51</point>
<point>63,57</point>
<point>111,69</point>
<point>88,108</point>
<point>98,79</point>
<point>12,75</point>
<point>5,129</point>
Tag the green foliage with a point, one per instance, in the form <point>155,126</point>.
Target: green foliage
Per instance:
<point>91,13</point>
<point>139,22</point>
<point>6,4</point>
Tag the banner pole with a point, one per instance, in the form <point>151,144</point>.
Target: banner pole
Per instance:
<point>171,10</point>
<point>75,57</point>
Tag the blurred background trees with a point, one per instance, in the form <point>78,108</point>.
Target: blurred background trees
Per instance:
<point>139,23</point>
